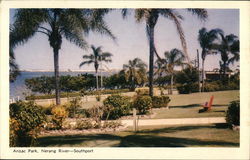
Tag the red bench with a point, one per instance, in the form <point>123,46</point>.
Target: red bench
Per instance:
<point>208,106</point>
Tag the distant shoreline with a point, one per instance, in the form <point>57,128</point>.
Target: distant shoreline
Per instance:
<point>112,70</point>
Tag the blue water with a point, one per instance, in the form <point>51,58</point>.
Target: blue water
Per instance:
<point>18,88</point>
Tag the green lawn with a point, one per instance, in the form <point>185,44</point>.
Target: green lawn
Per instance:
<point>217,135</point>
<point>188,105</point>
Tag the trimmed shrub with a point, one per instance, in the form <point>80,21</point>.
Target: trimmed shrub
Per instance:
<point>116,106</point>
<point>233,113</point>
<point>84,124</point>
<point>59,113</point>
<point>76,94</point>
<point>26,120</point>
<point>187,88</point>
<point>160,101</point>
<point>142,91</point>
<point>143,104</point>
<point>111,124</point>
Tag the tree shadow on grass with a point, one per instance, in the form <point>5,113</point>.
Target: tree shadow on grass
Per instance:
<point>186,106</point>
<point>72,140</point>
<point>198,105</point>
<point>159,141</point>
<point>134,140</point>
<point>139,139</point>
<point>185,128</point>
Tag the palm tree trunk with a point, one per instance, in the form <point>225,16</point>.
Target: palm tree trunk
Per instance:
<point>151,59</point>
<point>56,69</point>
<point>97,84</point>
<point>202,76</point>
<point>171,84</point>
<point>101,76</point>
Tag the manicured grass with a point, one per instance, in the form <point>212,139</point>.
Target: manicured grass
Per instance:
<point>217,135</point>
<point>220,98</point>
<point>188,105</point>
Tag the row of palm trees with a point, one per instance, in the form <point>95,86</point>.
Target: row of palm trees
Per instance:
<point>214,42</point>
<point>72,24</point>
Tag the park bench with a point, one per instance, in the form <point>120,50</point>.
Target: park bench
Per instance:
<point>208,105</point>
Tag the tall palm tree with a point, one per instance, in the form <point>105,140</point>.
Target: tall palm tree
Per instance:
<point>95,58</point>
<point>135,71</point>
<point>171,60</point>
<point>151,17</point>
<point>228,48</point>
<point>206,39</point>
<point>57,24</point>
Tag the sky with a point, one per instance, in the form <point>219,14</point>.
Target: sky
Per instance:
<point>131,41</point>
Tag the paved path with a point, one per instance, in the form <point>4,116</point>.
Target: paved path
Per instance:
<point>179,121</point>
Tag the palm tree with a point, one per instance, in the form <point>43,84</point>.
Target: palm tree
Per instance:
<point>206,39</point>
<point>95,58</point>
<point>135,71</point>
<point>57,24</point>
<point>228,47</point>
<point>151,17</point>
<point>172,59</point>
<point>13,66</point>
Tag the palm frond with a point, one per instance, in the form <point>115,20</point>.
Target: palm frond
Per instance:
<point>86,62</point>
<point>201,13</point>
<point>174,17</point>
<point>98,24</point>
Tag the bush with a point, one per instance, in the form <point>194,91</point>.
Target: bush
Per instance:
<point>84,124</point>
<point>142,91</point>
<point>160,101</point>
<point>116,106</point>
<point>59,113</point>
<point>233,113</point>
<point>111,124</point>
<point>26,120</point>
<point>143,104</point>
<point>73,106</point>
<point>212,86</point>
<point>187,88</point>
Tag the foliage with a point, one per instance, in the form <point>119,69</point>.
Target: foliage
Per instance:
<point>187,76</point>
<point>95,113</point>
<point>228,47</point>
<point>188,80</point>
<point>116,106</point>
<point>233,113</point>
<point>26,120</point>
<point>84,124</point>
<point>75,94</point>
<point>45,84</point>
<point>188,88</point>
<point>73,106</point>
<point>96,58</point>
<point>135,72</point>
<point>111,124</point>
<point>117,81</point>
<point>59,113</point>
<point>143,104</point>
<point>142,91</point>
<point>220,85</point>
<point>160,101</point>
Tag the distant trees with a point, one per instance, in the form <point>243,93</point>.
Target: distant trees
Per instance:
<point>228,47</point>
<point>171,60</point>
<point>97,57</point>
<point>45,84</point>
<point>207,43</point>
<point>135,71</point>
